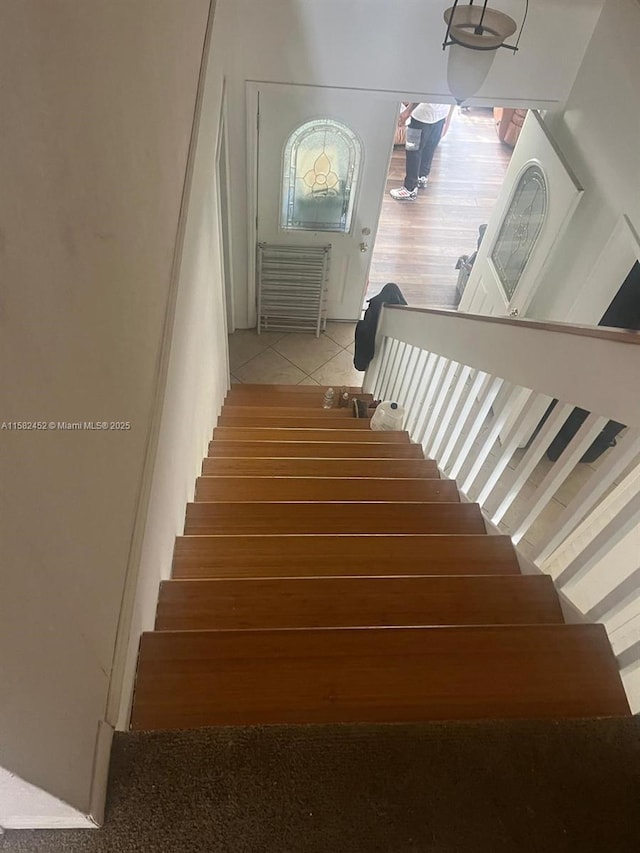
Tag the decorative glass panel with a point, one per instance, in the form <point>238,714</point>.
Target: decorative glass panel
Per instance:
<point>520,229</point>
<point>321,166</point>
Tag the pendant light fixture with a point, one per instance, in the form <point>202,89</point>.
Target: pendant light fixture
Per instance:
<point>474,34</point>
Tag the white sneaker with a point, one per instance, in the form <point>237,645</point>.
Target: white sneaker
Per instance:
<point>403,194</point>
<point>422,183</point>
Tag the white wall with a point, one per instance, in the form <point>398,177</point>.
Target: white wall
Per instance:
<point>197,382</point>
<point>599,134</point>
<point>97,109</point>
<point>395,48</point>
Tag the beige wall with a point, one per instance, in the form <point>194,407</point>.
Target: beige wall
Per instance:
<point>97,108</point>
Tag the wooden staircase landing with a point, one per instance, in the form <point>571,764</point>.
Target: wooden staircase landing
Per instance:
<point>328,574</point>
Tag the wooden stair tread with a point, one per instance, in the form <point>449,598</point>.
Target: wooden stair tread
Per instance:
<point>333,517</point>
<point>328,574</point>
<point>323,467</point>
<point>310,421</point>
<point>200,678</point>
<point>318,602</point>
<point>316,449</point>
<point>323,489</point>
<point>295,434</point>
<point>288,555</point>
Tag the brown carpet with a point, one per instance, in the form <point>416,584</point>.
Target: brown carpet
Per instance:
<point>510,787</point>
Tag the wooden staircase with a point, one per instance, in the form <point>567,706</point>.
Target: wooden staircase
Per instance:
<point>328,574</point>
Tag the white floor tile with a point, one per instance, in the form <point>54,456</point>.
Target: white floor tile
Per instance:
<point>245,344</point>
<point>306,351</point>
<point>341,333</point>
<point>269,367</point>
<point>339,371</point>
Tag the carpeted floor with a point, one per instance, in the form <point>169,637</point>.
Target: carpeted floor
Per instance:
<point>513,787</point>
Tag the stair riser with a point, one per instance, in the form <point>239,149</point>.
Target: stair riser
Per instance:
<point>324,434</point>
<point>299,422</point>
<point>274,518</point>
<point>364,601</point>
<point>322,489</point>
<point>301,467</point>
<point>289,399</point>
<point>286,413</point>
<point>315,449</point>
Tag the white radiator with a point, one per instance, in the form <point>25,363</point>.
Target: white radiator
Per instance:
<point>292,287</point>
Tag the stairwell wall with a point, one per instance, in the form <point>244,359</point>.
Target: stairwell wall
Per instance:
<point>598,131</point>
<point>197,379</point>
<point>98,105</point>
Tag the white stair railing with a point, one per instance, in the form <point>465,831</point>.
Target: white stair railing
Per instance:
<point>476,390</point>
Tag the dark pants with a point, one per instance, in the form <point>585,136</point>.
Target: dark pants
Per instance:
<point>419,160</point>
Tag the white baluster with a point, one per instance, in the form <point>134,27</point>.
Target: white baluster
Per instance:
<point>533,455</point>
<point>432,390</point>
<point>460,422</point>
<point>566,462</point>
<point>447,419</point>
<point>412,366</point>
<point>533,410</point>
<point>373,376</point>
<point>625,521</point>
<point>422,390</point>
<point>440,400</point>
<point>489,398</point>
<point>615,462</point>
<point>388,367</point>
<point>511,397</point>
<point>400,375</point>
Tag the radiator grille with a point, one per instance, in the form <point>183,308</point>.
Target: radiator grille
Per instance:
<point>292,287</point>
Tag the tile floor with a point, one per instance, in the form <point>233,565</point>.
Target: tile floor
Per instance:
<point>288,358</point>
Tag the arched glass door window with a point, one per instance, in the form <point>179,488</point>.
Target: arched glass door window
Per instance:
<point>319,178</point>
<point>520,229</point>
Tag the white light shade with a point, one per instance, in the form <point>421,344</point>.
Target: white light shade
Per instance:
<point>467,70</point>
<point>479,27</point>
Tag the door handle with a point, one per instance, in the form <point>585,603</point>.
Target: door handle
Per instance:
<point>514,313</point>
<point>364,247</point>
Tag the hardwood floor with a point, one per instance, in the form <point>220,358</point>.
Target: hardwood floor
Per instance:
<point>419,242</point>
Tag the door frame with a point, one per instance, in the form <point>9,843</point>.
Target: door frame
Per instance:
<point>224,213</point>
<point>252,102</point>
<point>536,264</point>
<point>252,99</point>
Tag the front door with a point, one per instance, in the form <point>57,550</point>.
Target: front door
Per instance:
<point>323,156</point>
<point>537,199</point>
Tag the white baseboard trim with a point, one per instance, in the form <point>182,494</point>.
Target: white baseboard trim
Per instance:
<point>41,810</point>
<point>77,821</point>
<point>100,776</point>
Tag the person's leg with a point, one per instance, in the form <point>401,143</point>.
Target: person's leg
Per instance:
<point>431,136</point>
<point>413,155</point>
<point>409,190</point>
